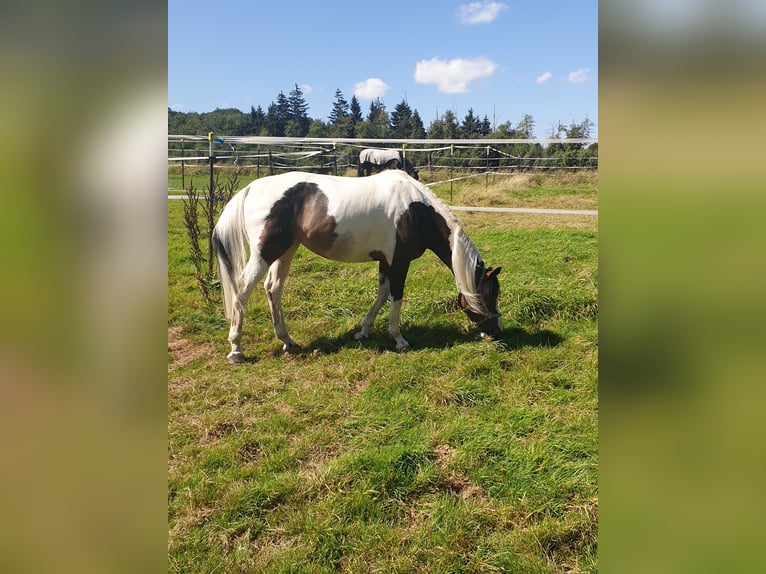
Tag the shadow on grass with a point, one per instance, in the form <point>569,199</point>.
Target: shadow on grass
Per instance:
<point>421,337</point>
<point>517,338</point>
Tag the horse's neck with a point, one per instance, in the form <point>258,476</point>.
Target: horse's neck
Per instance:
<point>440,243</point>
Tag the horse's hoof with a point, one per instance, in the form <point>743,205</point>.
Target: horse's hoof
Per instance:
<point>403,348</point>
<point>290,348</point>
<point>235,358</point>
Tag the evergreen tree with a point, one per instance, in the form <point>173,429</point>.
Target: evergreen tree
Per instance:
<point>436,129</point>
<point>377,119</point>
<point>318,129</point>
<point>401,121</point>
<point>526,127</point>
<point>340,118</point>
<point>504,130</point>
<point>450,125</point>
<point>417,131</point>
<point>297,118</point>
<point>485,128</point>
<point>471,126</point>
<point>257,121</point>
<point>356,114</point>
<point>277,115</point>
<point>340,109</point>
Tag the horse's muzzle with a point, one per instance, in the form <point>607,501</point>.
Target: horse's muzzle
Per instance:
<point>491,326</point>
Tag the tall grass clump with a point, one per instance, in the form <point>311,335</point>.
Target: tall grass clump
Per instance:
<point>199,216</point>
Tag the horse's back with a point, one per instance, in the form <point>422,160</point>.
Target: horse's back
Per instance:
<point>340,218</point>
<point>387,189</point>
<point>379,156</point>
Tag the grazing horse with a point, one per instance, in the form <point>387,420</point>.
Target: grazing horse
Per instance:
<point>389,218</point>
<point>380,159</point>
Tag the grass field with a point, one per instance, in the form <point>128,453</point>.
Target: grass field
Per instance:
<point>461,455</point>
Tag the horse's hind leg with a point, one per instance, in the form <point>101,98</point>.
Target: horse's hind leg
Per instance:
<point>254,270</point>
<point>384,289</point>
<point>274,285</point>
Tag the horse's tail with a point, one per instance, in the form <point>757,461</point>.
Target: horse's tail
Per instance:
<point>228,242</point>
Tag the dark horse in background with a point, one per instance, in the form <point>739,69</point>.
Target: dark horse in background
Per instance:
<point>381,159</point>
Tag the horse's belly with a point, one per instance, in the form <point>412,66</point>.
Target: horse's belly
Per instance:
<point>357,243</point>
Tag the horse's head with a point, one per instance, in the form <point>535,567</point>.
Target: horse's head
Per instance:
<point>410,169</point>
<point>488,320</point>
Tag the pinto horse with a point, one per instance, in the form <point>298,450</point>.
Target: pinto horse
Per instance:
<point>389,218</point>
<point>380,159</point>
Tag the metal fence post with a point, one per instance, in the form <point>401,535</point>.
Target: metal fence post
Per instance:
<point>211,160</point>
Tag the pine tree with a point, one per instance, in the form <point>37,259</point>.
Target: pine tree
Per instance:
<point>340,117</point>
<point>417,131</point>
<point>526,127</point>
<point>297,119</point>
<point>450,125</point>
<point>277,115</point>
<point>401,121</point>
<point>340,109</point>
<point>377,118</point>
<point>356,114</point>
<point>485,128</point>
<point>257,121</point>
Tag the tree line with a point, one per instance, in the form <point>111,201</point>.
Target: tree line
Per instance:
<point>288,116</point>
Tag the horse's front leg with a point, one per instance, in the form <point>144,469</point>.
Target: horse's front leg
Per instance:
<point>384,289</point>
<point>274,285</point>
<point>393,326</point>
<point>398,275</point>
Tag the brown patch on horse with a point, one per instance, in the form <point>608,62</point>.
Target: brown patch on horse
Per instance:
<point>419,228</point>
<point>300,215</point>
<point>380,257</point>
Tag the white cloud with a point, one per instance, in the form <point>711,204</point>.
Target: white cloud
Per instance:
<point>454,76</point>
<point>541,79</point>
<point>479,12</point>
<point>306,88</point>
<point>370,89</point>
<point>578,76</point>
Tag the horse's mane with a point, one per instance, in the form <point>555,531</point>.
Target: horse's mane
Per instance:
<point>465,257</point>
<point>465,263</point>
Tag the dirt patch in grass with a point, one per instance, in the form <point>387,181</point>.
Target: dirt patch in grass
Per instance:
<point>462,487</point>
<point>182,351</point>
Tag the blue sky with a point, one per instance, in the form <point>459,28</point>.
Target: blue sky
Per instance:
<point>503,58</point>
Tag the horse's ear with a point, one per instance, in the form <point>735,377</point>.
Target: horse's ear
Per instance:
<point>494,273</point>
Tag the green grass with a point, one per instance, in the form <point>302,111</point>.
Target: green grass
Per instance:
<point>461,455</point>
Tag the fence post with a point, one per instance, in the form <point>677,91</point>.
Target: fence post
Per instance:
<point>210,206</point>
<point>271,167</point>
<point>486,173</point>
<point>211,160</point>
<point>183,184</point>
<point>451,169</point>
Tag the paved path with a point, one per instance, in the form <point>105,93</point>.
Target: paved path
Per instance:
<point>531,210</point>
